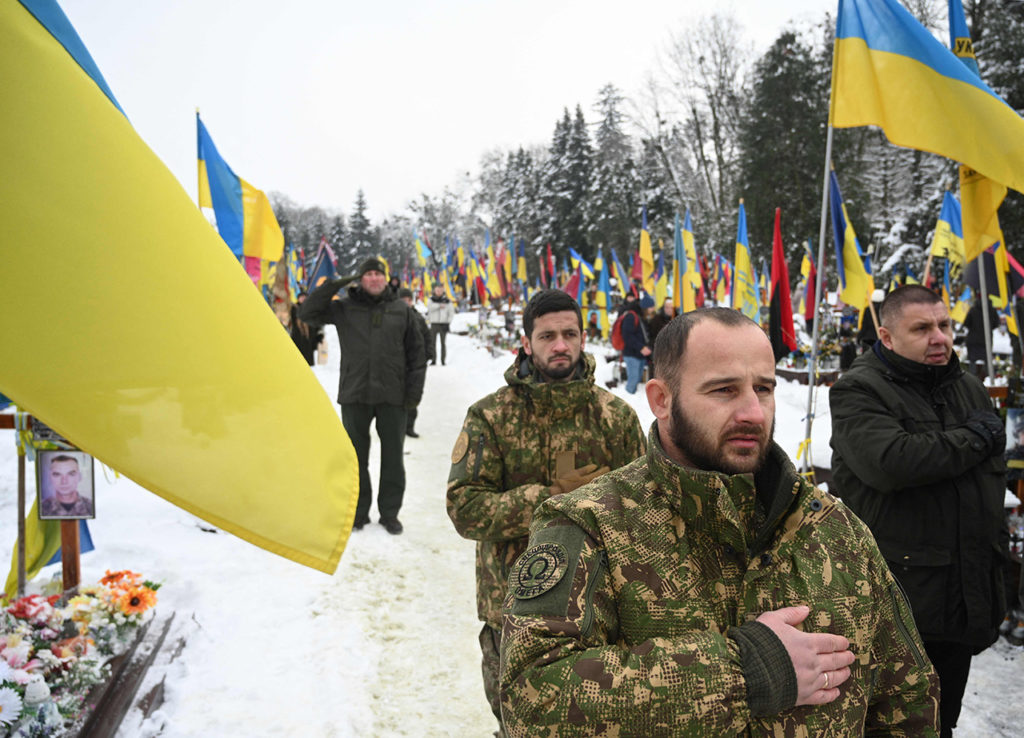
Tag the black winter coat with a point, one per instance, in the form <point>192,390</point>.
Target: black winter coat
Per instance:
<point>930,489</point>
<point>382,349</point>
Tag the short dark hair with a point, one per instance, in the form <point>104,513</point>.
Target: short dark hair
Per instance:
<point>670,346</point>
<point>909,294</point>
<point>548,301</point>
<point>64,457</point>
<point>405,292</point>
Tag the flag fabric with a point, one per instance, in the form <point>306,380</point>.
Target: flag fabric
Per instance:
<point>243,214</point>
<point>660,281</point>
<point>744,286</point>
<point>574,285</point>
<point>855,283</point>
<point>948,241</point>
<point>493,285</point>
<point>324,267</point>
<point>621,275</point>
<point>962,306</point>
<point>780,325</point>
<point>678,264</point>
<point>603,300</point>
<point>980,198</point>
<point>552,279</point>
<point>423,251</point>
<point>42,543</point>
<point>578,261</point>
<point>809,272</point>
<point>521,263</point>
<point>997,267</point>
<point>692,283</point>
<point>646,257</point>
<point>889,71</point>
<point>178,409</point>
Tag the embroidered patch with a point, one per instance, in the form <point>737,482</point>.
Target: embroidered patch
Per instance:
<point>461,447</point>
<point>538,570</point>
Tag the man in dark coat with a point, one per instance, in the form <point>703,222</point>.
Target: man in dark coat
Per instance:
<point>406,294</point>
<point>383,366</point>
<point>637,340</point>
<point>918,456</point>
<point>305,335</point>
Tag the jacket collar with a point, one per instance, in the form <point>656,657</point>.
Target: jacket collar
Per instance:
<point>902,369</point>
<point>756,504</point>
<point>523,373</point>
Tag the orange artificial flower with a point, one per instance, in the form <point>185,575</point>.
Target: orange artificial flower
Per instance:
<point>137,600</point>
<point>118,576</point>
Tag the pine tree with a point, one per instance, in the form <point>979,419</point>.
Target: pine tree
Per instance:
<point>341,246</point>
<point>782,142</point>
<point>556,193</point>
<point>612,201</point>
<point>579,160</point>
<point>361,235</point>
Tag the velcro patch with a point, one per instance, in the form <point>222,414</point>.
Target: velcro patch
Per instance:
<point>538,570</point>
<point>461,447</point>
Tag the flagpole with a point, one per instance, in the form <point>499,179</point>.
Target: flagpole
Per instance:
<point>806,464</point>
<point>984,303</point>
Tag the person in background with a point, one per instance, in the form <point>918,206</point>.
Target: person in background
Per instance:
<point>917,454</point>
<point>440,313</point>
<point>410,415</point>
<point>707,589</point>
<point>307,336</point>
<point>383,366</point>
<point>974,322</point>
<point>661,318</point>
<point>637,340</point>
<point>550,430</point>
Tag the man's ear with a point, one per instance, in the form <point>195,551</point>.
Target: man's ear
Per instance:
<point>885,336</point>
<point>526,346</point>
<point>659,397</point>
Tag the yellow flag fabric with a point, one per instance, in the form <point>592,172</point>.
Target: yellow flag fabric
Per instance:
<point>42,541</point>
<point>980,198</point>
<point>189,388</point>
<point>647,259</point>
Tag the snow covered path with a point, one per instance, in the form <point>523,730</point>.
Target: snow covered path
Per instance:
<point>387,646</point>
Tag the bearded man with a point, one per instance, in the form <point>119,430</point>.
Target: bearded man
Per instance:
<point>549,431</point>
<point>706,588</point>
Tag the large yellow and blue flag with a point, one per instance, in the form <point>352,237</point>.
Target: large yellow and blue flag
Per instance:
<point>621,275</point>
<point>692,284</point>
<point>646,257</point>
<point>423,251</point>
<point>889,71</point>
<point>521,263</point>
<point>744,287</point>
<point>855,282</point>
<point>192,407</point>
<point>243,214</point>
<point>660,280</point>
<point>948,241</point>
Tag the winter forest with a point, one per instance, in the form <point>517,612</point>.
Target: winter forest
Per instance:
<point>714,123</point>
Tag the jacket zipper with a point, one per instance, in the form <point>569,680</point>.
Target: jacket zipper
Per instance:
<point>904,632</point>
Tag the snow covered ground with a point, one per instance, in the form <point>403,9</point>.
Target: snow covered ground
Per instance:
<point>387,646</point>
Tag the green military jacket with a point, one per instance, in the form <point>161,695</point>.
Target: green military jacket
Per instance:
<point>505,460</point>
<point>619,614</point>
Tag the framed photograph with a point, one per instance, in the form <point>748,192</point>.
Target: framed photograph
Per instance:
<point>65,485</point>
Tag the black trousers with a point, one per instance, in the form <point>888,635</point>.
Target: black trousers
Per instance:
<point>952,662</point>
<point>439,329</point>
<point>356,417</point>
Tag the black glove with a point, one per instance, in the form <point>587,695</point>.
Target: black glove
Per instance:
<point>990,428</point>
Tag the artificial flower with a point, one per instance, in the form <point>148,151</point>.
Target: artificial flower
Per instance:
<point>119,577</point>
<point>6,672</point>
<point>10,706</point>
<point>137,600</point>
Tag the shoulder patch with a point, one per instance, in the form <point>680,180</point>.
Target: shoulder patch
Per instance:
<point>461,447</point>
<point>538,570</point>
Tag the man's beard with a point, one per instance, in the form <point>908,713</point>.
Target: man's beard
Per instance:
<point>555,374</point>
<point>708,453</point>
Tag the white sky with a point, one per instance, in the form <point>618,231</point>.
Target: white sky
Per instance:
<point>315,99</point>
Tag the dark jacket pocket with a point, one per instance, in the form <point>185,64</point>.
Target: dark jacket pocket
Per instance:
<point>923,573</point>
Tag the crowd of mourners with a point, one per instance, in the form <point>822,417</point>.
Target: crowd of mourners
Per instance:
<point>686,579</point>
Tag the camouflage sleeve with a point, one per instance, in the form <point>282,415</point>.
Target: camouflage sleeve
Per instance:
<point>905,695</point>
<point>563,672</point>
<point>478,503</point>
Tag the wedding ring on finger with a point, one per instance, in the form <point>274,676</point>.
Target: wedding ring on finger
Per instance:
<point>826,681</point>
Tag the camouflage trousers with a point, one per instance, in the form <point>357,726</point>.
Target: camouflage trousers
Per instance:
<point>490,645</point>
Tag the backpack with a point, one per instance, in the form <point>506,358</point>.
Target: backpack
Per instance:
<point>618,342</point>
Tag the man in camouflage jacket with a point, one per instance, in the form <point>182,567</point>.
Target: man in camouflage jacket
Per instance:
<point>549,431</point>
<point>707,589</point>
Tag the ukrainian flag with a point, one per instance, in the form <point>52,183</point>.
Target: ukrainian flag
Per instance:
<point>889,71</point>
<point>193,405</point>
<point>855,282</point>
<point>579,262</point>
<point>744,295</point>
<point>244,217</point>
<point>948,241</point>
